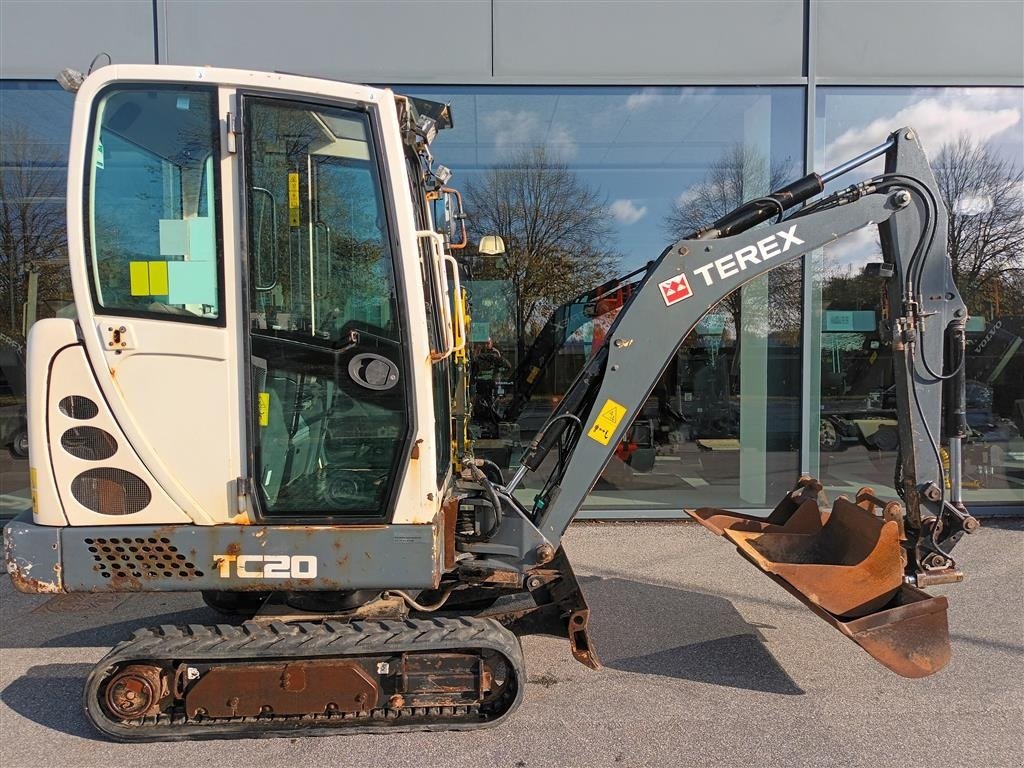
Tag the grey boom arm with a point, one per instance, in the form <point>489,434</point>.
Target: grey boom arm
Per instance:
<point>927,326</point>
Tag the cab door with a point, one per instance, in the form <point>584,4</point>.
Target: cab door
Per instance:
<point>332,417</point>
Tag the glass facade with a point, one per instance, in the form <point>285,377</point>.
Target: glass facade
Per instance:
<point>975,142</point>
<point>587,184</point>
<point>35,129</point>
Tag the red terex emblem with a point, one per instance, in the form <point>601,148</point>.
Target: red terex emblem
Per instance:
<point>675,289</point>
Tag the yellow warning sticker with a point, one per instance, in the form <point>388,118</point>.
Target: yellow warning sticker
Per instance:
<point>34,485</point>
<point>607,420</point>
<point>293,199</point>
<point>138,272</point>
<point>264,408</point>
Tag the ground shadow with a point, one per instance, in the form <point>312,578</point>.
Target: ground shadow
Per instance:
<point>43,628</point>
<point>658,630</point>
<point>51,695</point>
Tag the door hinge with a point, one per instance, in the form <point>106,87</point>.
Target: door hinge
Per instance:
<point>241,495</point>
<point>234,131</point>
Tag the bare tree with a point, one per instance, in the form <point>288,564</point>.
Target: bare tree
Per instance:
<point>984,197</point>
<point>33,232</point>
<point>726,185</point>
<point>556,231</point>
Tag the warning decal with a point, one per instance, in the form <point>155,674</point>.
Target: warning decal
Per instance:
<point>293,199</point>
<point>607,420</point>
<point>675,289</point>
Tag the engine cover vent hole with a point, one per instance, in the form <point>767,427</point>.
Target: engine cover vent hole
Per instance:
<point>90,443</point>
<point>111,491</point>
<point>78,407</point>
<point>139,558</point>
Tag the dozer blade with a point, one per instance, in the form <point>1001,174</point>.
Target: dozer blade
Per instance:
<point>845,566</point>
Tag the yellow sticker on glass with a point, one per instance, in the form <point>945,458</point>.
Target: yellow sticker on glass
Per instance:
<point>293,199</point>
<point>264,408</point>
<point>607,420</point>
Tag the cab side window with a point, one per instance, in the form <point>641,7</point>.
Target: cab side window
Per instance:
<point>152,199</point>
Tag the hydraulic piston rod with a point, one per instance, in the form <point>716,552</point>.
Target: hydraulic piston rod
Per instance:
<point>858,161</point>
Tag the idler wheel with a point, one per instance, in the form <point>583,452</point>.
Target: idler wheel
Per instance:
<point>134,692</point>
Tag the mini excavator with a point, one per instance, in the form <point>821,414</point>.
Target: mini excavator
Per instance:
<point>258,401</point>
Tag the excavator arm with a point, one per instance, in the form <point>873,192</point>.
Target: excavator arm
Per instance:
<point>856,569</point>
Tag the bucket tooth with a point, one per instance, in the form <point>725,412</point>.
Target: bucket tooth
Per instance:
<point>850,567</point>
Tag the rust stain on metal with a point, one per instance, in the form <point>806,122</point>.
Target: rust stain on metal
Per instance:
<point>298,688</point>
<point>851,567</point>
<point>24,583</point>
<point>136,691</point>
<point>449,514</point>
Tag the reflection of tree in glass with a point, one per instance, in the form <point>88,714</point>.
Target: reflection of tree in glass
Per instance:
<point>556,231</point>
<point>32,226</point>
<point>984,196</point>
<point>742,173</point>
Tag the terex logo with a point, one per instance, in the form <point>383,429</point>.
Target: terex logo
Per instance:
<point>675,289</point>
<point>733,263</point>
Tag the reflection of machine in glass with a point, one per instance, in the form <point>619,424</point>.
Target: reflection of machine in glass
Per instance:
<point>13,422</point>
<point>291,453</point>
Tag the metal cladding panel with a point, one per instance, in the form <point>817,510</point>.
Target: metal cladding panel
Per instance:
<point>32,555</point>
<point>40,39</point>
<point>186,558</point>
<point>357,40</point>
<point>648,38</point>
<point>904,39</point>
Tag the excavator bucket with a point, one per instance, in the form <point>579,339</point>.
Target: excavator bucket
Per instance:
<point>846,566</point>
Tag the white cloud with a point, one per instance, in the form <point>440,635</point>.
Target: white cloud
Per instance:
<point>688,195</point>
<point>854,250</point>
<point>513,131</point>
<point>642,99</point>
<point>627,212</point>
<point>561,141</point>
<point>937,120</point>
<point>973,205</point>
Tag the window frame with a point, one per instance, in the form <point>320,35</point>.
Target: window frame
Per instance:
<point>240,95</point>
<point>215,206</point>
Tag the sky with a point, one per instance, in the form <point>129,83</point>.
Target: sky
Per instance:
<point>644,148</point>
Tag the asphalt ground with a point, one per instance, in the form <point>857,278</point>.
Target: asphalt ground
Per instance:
<point>707,662</point>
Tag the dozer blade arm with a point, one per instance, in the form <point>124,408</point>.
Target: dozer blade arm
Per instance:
<point>849,566</point>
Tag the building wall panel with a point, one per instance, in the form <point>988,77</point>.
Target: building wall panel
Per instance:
<point>38,39</point>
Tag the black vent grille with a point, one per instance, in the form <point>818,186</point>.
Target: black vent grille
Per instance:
<point>140,558</point>
<point>78,407</point>
<point>91,443</point>
<point>111,491</point>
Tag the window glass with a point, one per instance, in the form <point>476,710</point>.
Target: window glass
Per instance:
<point>586,184</point>
<point>152,228</point>
<point>974,138</point>
<point>329,373</point>
<point>35,128</point>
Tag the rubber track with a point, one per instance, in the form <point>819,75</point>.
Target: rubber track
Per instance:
<point>293,641</point>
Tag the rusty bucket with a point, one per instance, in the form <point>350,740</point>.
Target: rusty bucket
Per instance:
<point>846,566</point>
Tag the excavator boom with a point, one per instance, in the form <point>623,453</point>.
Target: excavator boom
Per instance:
<point>850,566</point>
